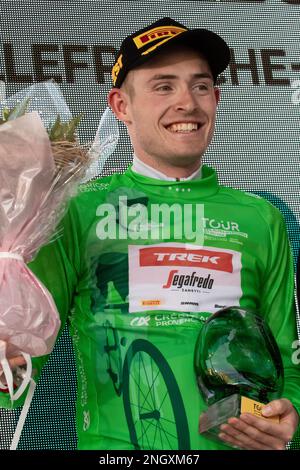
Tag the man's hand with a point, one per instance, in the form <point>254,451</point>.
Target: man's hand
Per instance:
<point>252,433</point>
<point>16,362</point>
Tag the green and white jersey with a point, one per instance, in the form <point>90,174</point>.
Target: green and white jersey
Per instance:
<point>139,289</point>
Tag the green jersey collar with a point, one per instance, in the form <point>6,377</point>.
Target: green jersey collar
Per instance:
<point>205,186</point>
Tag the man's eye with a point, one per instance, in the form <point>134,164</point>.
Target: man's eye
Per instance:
<point>163,88</point>
<point>203,87</point>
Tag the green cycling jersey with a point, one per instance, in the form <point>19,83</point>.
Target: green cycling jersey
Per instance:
<point>139,266</point>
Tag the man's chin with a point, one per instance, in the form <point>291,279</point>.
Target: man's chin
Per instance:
<point>183,161</point>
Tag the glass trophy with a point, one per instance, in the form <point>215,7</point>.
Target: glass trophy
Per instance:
<point>238,367</point>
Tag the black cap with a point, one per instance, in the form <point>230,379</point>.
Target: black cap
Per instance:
<point>144,44</point>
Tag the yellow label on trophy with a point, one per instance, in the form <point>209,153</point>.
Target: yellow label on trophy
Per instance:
<point>255,407</point>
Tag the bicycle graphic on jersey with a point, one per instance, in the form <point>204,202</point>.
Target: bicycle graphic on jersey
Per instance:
<point>152,400</point>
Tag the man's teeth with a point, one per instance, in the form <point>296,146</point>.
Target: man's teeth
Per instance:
<point>183,127</point>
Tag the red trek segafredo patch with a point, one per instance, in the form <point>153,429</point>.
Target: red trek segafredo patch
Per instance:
<point>183,277</point>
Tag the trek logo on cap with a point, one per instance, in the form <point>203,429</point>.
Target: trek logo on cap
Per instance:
<point>164,32</point>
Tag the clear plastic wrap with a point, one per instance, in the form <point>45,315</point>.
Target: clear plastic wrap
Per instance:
<point>37,178</point>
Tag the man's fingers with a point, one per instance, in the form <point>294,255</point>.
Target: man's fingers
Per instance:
<point>241,441</point>
<point>265,427</point>
<point>277,407</point>
<point>284,431</point>
<point>16,361</point>
<point>251,436</point>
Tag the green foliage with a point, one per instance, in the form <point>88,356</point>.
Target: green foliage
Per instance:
<point>59,131</point>
<point>64,130</point>
<point>19,110</point>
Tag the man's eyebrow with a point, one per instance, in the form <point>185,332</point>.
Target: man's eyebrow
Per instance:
<point>173,77</point>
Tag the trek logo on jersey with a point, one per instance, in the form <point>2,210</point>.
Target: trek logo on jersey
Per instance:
<point>202,258</point>
<point>188,280</point>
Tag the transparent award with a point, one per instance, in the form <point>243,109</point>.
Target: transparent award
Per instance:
<point>238,367</point>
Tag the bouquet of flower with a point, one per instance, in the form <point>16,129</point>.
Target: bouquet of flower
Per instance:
<point>39,170</point>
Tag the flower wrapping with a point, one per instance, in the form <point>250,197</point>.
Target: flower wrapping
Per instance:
<point>39,172</point>
<point>29,199</point>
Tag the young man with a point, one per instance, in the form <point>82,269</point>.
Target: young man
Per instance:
<point>141,266</point>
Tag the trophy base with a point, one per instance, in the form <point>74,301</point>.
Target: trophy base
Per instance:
<point>220,412</point>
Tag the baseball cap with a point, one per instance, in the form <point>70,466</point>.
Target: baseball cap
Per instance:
<point>146,43</point>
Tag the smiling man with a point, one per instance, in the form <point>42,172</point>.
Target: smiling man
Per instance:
<point>169,107</point>
<point>138,301</point>
<point>165,94</point>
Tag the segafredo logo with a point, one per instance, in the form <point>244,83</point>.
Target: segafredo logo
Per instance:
<point>188,280</point>
<point>175,256</point>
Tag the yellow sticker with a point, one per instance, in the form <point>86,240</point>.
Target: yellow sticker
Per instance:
<point>254,407</point>
<point>150,302</point>
<point>116,68</point>
<point>160,32</point>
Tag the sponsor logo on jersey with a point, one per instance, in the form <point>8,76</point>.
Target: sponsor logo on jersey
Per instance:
<point>182,277</point>
<point>222,228</point>
<point>169,256</point>
<point>221,224</point>
<point>140,321</point>
<point>188,280</point>
<point>174,318</point>
<point>150,302</point>
<point>169,319</point>
<point>86,420</point>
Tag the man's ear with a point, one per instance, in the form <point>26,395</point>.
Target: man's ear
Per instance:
<point>217,94</point>
<point>118,101</point>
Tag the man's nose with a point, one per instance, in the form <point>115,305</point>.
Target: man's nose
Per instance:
<point>186,101</point>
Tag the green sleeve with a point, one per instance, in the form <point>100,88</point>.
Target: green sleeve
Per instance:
<point>55,266</point>
<point>279,306</point>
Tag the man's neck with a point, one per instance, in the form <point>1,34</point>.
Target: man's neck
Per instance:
<point>146,170</point>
